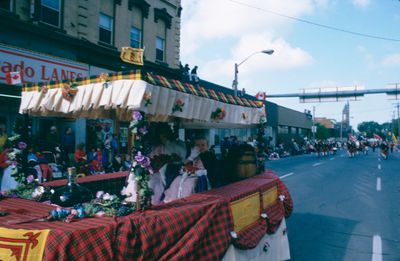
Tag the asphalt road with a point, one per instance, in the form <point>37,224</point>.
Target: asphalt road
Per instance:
<point>344,208</point>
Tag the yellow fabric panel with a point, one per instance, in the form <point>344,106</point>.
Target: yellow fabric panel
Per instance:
<point>269,197</point>
<point>245,211</point>
<point>21,244</point>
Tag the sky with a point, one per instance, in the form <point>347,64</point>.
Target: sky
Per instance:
<point>216,34</point>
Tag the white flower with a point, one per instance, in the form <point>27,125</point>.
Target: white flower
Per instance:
<point>99,194</point>
<point>282,197</point>
<point>107,196</point>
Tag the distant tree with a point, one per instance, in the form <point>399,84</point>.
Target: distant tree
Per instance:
<point>369,128</point>
<point>322,132</point>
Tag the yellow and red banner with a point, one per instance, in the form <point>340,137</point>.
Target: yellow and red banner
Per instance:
<point>21,244</point>
<point>132,55</point>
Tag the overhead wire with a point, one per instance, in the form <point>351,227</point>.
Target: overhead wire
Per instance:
<point>316,24</point>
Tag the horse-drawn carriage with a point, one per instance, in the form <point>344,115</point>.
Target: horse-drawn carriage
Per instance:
<point>240,221</point>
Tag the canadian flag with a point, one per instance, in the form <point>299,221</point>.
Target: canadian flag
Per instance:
<point>13,78</point>
<point>261,96</point>
<point>376,136</point>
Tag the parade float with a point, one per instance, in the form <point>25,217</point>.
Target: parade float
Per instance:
<point>244,220</point>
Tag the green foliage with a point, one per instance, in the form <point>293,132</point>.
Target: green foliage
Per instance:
<point>322,132</point>
<point>369,128</point>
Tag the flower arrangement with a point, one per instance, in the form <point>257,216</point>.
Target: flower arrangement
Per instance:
<point>178,106</point>
<point>218,114</point>
<point>69,91</point>
<point>103,205</point>
<point>141,165</point>
<point>147,99</point>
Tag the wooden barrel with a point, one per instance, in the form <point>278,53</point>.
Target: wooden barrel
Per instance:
<point>247,165</point>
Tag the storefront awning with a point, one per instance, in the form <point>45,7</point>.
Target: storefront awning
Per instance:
<point>118,95</point>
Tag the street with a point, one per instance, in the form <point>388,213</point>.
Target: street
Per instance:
<point>344,208</point>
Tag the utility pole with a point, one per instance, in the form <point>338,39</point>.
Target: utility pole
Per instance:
<point>314,129</point>
<point>398,118</point>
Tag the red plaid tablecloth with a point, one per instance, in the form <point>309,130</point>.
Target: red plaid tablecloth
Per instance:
<point>86,239</point>
<point>194,228</point>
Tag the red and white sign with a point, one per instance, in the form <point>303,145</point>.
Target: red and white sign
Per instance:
<point>13,78</point>
<point>36,67</point>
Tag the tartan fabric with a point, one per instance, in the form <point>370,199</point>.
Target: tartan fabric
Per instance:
<point>281,209</point>
<point>282,190</point>
<point>87,239</point>
<point>132,75</point>
<point>214,95</point>
<point>192,89</point>
<point>251,236</point>
<point>194,228</point>
<point>223,97</point>
<point>151,78</point>
<point>180,86</point>
<point>231,99</point>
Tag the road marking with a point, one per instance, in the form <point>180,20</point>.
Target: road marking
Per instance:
<point>378,184</point>
<point>332,158</point>
<point>379,159</point>
<point>286,175</point>
<point>376,248</point>
<point>379,166</point>
<point>316,164</point>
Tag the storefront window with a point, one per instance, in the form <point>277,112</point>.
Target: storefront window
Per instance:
<point>283,129</point>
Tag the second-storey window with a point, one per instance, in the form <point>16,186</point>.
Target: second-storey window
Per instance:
<point>105,29</point>
<point>136,36</point>
<point>160,49</point>
<point>50,12</point>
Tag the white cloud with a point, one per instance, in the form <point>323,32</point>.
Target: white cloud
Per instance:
<point>361,3</point>
<point>208,24</point>
<point>284,57</point>
<point>210,19</point>
<point>391,60</point>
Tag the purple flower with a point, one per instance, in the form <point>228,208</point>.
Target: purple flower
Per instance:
<point>22,145</point>
<point>30,178</point>
<point>143,130</point>
<point>139,157</point>
<point>137,116</point>
<point>145,162</point>
<point>142,160</point>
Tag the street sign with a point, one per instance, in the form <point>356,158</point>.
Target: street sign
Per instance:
<point>331,94</point>
<point>314,129</point>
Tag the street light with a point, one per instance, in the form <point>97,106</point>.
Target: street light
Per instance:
<point>235,81</point>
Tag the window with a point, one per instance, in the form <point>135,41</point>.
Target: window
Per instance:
<point>136,36</point>
<point>105,29</point>
<point>160,49</point>
<point>50,12</point>
<point>283,129</point>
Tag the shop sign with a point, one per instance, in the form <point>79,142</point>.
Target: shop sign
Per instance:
<point>36,67</point>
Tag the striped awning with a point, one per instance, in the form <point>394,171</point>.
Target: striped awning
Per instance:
<point>116,95</point>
